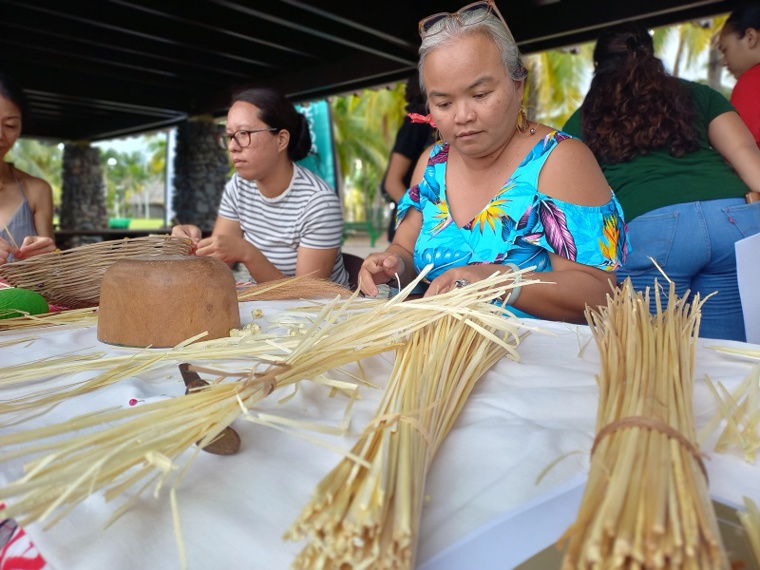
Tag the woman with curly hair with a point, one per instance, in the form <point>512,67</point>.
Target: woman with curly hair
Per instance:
<point>681,162</point>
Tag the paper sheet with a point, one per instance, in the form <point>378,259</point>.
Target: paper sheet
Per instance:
<point>748,275</point>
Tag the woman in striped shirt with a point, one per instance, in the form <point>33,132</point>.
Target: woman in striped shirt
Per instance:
<point>275,217</point>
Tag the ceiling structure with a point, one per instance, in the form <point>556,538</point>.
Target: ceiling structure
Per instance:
<point>98,69</point>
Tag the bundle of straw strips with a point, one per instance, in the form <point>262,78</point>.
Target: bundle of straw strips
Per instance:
<point>750,520</point>
<point>366,512</point>
<point>113,451</point>
<point>72,277</point>
<point>646,503</point>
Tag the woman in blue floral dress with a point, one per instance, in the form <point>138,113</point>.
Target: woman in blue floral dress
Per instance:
<point>500,190</point>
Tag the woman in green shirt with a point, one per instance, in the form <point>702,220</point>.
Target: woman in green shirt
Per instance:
<point>681,162</point>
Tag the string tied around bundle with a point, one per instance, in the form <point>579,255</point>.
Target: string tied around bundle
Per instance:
<point>652,424</point>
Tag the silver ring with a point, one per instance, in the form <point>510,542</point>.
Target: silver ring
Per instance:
<point>461,283</point>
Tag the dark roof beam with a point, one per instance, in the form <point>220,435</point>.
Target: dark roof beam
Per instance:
<point>105,49</point>
<point>160,35</point>
<point>314,31</point>
<point>214,28</point>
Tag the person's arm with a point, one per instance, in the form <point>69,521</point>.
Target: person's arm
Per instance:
<point>570,174</point>
<point>6,249</point>
<point>41,203</point>
<point>731,138</point>
<point>40,198</point>
<point>316,262</point>
<point>745,101</point>
<point>394,176</point>
<point>398,258</point>
<point>562,296</point>
<point>320,230</point>
<point>228,244</point>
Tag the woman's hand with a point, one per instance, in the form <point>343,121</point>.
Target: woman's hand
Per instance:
<point>446,281</point>
<point>188,231</point>
<point>379,268</point>
<point>227,248</point>
<point>6,249</point>
<point>33,245</point>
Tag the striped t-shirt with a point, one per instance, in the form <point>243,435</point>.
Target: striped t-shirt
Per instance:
<point>307,214</point>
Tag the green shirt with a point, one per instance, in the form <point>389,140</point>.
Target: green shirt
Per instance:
<point>657,179</point>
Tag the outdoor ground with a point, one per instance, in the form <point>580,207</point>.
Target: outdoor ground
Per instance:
<point>359,244</point>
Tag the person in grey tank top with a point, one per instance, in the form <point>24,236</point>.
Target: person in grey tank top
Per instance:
<point>26,202</point>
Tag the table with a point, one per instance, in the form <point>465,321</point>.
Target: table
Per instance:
<point>106,234</point>
<point>234,510</point>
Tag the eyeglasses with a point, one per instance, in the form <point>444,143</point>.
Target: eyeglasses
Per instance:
<point>242,137</point>
<point>471,14</point>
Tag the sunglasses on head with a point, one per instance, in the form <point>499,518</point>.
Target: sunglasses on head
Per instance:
<point>471,14</point>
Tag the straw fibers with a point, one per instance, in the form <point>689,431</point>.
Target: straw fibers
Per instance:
<point>130,449</point>
<point>303,287</point>
<point>72,277</point>
<point>73,318</point>
<point>739,412</point>
<point>750,519</point>
<point>367,515</point>
<point>646,503</point>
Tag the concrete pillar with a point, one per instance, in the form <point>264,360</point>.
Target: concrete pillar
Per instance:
<point>201,169</point>
<point>83,201</point>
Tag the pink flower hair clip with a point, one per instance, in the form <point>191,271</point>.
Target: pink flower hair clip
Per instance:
<point>417,118</point>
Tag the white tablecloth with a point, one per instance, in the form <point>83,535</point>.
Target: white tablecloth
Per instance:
<point>234,510</point>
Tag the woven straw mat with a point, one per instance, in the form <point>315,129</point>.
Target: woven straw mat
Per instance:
<point>72,277</point>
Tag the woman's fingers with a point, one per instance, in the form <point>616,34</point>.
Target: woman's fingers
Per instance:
<point>378,268</point>
<point>34,245</point>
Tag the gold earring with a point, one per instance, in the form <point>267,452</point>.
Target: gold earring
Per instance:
<point>523,124</point>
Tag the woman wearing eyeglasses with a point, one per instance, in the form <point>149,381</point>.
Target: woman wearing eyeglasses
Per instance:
<point>499,191</point>
<point>276,217</point>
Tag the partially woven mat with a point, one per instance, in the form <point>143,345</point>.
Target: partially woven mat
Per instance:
<point>72,277</point>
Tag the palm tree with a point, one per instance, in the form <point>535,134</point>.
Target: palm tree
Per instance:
<point>157,147</point>
<point>555,84</point>
<point>41,159</point>
<point>364,128</point>
<point>692,40</point>
<point>126,174</point>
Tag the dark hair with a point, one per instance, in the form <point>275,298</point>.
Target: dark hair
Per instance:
<point>11,90</point>
<point>633,105</point>
<point>416,102</point>
<point>745,16</point>
<point>276,111</point>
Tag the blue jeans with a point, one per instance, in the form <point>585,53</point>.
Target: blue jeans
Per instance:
<point>694,245</point>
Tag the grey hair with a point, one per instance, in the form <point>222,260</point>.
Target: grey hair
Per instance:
<point>492,27</point>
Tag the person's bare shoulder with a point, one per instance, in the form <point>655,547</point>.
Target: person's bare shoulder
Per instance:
<point>34,187</point>
<point>572,174</point>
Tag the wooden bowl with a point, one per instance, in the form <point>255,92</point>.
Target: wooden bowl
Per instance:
<point>163,300</point>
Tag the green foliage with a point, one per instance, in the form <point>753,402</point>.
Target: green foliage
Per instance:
<point>128,173</point>
<point>364,128</point>
<point>692,39</point>
<point>556,83</point>
<point>41,159</point>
